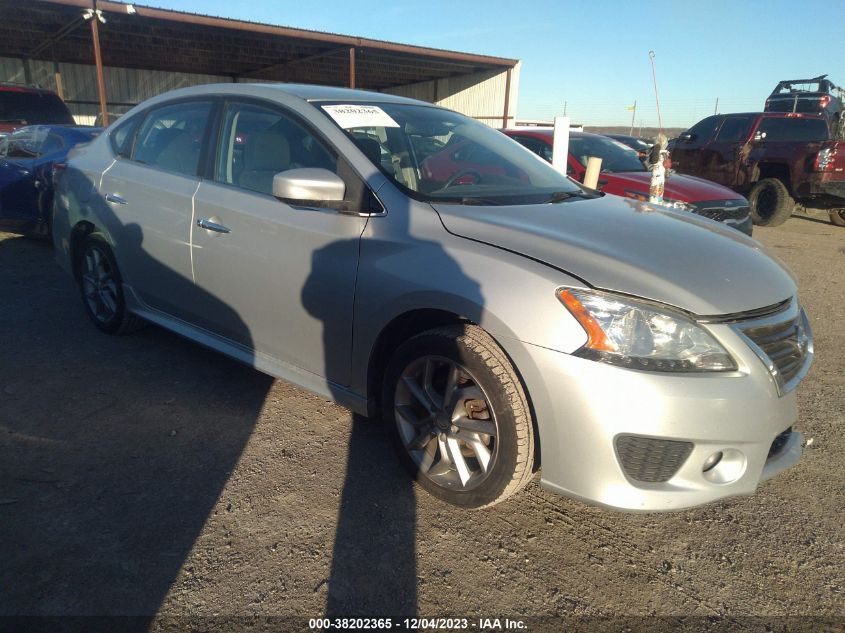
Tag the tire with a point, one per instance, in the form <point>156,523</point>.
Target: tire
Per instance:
<point>770,202</point>
<point>101,288</point>
<point>475,448</point>
<point>837,217</point>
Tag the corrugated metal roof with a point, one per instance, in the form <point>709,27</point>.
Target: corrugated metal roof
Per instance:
<point>161,39</point>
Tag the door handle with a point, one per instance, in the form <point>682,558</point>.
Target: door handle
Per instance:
<point>205,223</point>
<point>115,199</point>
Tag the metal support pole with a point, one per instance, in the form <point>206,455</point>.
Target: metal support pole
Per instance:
<point>505,116</point>
<point>27,71</point>
<point>60,89</point>
<point>716,109</point>
<point>352,67</point>
<point>98,60</point>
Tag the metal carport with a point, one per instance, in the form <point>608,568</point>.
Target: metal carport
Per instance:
<point>66,32</point>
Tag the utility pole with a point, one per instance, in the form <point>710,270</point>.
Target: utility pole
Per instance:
<point>564,107</point>
<point>716,109</point>
<point>633,116</point>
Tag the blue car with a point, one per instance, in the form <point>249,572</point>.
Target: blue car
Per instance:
<point>27,157</point>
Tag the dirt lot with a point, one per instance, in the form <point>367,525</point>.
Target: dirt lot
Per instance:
<point>144,474</point>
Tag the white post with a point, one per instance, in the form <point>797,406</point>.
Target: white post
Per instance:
<point>591,176</point>
<point>560,144</point>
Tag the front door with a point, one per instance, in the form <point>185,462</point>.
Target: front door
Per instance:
<point>725,152</point>
<point>272,277</point>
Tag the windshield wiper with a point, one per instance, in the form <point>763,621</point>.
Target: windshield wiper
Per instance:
<point>560,196</point>
<point>481,202</point>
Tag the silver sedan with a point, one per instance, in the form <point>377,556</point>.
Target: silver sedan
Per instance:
<point>409,262</point>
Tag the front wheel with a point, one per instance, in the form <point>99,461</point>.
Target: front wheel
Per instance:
<point>837,217</point>
<point>459,416</point>
<point>770,202</point>
<point>101,287</point>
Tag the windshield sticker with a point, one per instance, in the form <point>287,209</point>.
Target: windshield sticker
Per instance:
<point>352,116</point>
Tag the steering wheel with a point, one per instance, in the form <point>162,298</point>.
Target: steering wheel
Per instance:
<point>460,174</point>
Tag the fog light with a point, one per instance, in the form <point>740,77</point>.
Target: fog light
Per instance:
<point>710,462</point>
<point>724,467</point>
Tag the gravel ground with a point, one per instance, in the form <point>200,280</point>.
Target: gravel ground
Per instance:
<point>144,475</point>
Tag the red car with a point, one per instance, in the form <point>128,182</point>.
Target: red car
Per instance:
<point>624,175</point>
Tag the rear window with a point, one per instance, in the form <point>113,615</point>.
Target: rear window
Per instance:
<point>791,129</point>
<point>32,107</point>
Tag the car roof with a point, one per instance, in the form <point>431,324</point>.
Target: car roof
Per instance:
<point>544,132</point>
<point>306,92</point>
<point>790,115</point>
<point>61,127</point>
<point>8,86</point>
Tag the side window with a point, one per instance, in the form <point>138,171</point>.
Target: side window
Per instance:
<point>258,142</point>
<point>21,145</point>
<point>535,145</point>
<point>121,138</point>
<point>734,129</point>
<point>704,129</point>
<point>171,137</point>
<point>53,143</point>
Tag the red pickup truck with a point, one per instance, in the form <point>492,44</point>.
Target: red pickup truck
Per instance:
<point>776,159</point>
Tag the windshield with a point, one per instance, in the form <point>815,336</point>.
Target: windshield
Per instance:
<point>438,155</point>
<point>614,156</point>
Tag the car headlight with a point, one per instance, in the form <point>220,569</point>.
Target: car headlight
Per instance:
<point>625,332</point>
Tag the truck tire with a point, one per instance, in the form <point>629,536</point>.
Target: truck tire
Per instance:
<point>770,202</point>
<point>837,217</point>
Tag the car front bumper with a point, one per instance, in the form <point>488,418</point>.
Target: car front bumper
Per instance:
<point>583,409</point>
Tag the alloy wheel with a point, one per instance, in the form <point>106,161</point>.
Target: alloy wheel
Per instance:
<point>446,423</point>
<point>99,285</point>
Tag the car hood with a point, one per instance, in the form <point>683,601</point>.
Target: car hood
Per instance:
<point>677,187</point>
<point>636,248</point>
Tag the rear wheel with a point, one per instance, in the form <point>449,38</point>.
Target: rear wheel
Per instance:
<point>102,288</point>
<point>770,202</point>
<point>459,416</point>
<point>837,217</point>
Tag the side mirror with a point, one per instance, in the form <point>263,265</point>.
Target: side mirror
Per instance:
<point>310,186</point>
<point>687,137</point>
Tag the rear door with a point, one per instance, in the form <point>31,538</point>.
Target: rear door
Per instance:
<point>146,202</point>
<point>273,277</point>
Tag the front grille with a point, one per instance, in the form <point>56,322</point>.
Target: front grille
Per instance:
<point>651,460</point>
<point>721,210</point>
<point>779,443</point>
<point>785,345</point>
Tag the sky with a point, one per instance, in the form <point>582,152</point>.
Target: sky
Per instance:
<point>592,58</point>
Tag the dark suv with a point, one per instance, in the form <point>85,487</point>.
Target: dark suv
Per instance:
<point>22,105</point>
<point>809,96</point>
